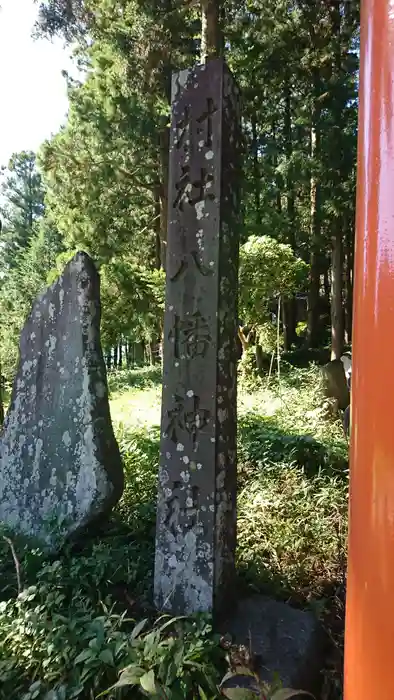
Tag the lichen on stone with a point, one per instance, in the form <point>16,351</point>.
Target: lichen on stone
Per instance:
<point>60,466</point>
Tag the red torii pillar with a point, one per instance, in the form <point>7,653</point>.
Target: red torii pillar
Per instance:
<point>369,638</point>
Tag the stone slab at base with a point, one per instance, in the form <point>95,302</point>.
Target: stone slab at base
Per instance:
<point>289,643</point>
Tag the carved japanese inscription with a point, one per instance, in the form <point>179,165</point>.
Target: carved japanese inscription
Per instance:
<point>191,336</point>
<point>196,521</point>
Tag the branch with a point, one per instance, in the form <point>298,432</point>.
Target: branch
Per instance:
<point>16,562</point>
<point>243,339</point>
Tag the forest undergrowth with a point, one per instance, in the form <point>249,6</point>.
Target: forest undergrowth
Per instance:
<point>69,625</point>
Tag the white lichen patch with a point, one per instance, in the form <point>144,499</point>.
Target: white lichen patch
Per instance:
<point>164,477</point>
<point>51,345</point>
<point>27,367</point>
<point>66,439</point>
<point>200,208</point>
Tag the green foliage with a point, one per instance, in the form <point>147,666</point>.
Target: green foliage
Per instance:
<point>297,66</point>
<point>140,453</point>
<point>60,640</point>
<point>247,370</point>
<point>268,269</point>
<point>133,302</point>
<point>291,528</point>
<point>106,175</point>
<point>20,285</point>
<point>176,659</point>
<point>72,630</point>
<point>107,169</point>
<point>84,622</point>
<point>242,684</point>
<point>267,337</point>
<point>132,295</point>
<point>22,205</point>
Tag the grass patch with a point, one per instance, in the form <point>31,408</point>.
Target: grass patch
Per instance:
<point>142,378</point>
<point>292,532</point>
<point>135,398</point>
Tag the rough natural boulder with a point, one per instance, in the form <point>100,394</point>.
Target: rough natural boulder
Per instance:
<point>60,466</point>
<point>289,644</point>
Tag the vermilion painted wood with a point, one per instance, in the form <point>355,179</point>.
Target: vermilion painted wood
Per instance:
<point>369,641</point>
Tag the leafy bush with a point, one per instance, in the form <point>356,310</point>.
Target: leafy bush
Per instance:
<point>268,269</point>
<point>178,658</point>
<point>70,633</point>
<point>58,646</point>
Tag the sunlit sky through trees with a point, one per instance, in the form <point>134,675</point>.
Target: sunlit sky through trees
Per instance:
<point>33,95</point>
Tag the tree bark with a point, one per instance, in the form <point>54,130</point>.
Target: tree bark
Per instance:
<point>256,172</point>
<point>337,336</point>
<point>162,211</point>
<point>337,319</point>
<point>327,286</point>
<point>164,141</point>
<point>259,355</point>
<point>278,178</point>
<point>349,242</point>
<point>289,322</point>
<point>120,355</point>
<point>211,35</point>
<point>242,339</point>
<point>290,305</point>
<point>314,277</point>
<point>158,229</point>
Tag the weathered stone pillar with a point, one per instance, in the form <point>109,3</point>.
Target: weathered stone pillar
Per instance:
<point>196,522</point>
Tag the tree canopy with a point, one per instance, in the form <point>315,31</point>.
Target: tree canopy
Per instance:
<point>100,184</point>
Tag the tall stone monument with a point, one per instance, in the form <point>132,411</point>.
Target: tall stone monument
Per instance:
<point>196,522</point>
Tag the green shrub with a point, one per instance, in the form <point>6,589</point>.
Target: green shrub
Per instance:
<point>69,635</point>
<point>56,646</point>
